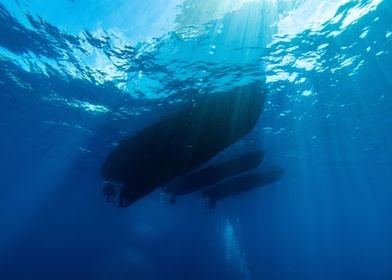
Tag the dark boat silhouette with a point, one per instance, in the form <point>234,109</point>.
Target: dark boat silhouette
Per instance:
<point>214,173</point>
<point>240,184</point>
<point>182,141</point>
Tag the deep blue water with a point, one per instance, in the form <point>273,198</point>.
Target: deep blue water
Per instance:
<point>76,78</point>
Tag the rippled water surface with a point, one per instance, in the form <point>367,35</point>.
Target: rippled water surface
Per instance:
<point>77,76</point>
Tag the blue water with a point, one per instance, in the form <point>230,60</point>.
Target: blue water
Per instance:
<point>76,78</point>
